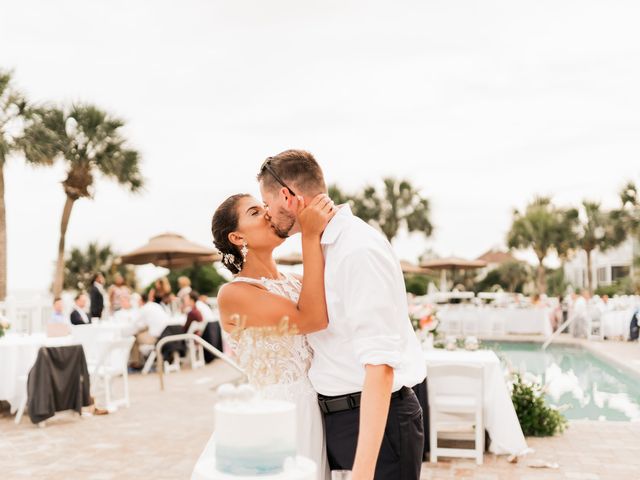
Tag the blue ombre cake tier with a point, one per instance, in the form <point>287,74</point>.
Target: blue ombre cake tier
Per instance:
<point>243,461</point>
<point>254,436</point>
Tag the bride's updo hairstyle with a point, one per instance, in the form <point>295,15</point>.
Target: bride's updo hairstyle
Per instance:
<point>225,221</point>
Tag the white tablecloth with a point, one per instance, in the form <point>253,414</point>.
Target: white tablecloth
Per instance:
<point>18,353</point>
<point>615,323</point>
<point>484,320</point>
<point>500,417</point>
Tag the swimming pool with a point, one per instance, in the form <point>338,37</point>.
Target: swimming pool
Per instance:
<point>588,386</point>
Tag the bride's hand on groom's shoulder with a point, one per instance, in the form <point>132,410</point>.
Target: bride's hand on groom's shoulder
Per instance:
<point>314,217</point>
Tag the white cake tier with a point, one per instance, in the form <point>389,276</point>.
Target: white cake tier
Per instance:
<point>255,436</point>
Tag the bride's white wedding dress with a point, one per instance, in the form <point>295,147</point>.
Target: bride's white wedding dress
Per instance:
<point>277,366</point>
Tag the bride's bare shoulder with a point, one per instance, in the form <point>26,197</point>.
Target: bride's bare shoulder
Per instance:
<point>233,292</point>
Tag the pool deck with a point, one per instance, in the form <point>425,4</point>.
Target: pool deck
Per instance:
<point>163,432</point>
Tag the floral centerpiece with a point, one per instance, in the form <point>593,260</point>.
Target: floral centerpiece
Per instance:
<point>4,325</point>
<point>425,323</point>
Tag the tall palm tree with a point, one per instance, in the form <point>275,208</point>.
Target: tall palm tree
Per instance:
<point>15,115</point>
<point>398,204</point>
<point>599,230</point>
<point>89,142</point>
<point>544,228</point>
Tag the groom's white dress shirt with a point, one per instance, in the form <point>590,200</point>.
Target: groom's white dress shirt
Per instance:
<point>368,316</point>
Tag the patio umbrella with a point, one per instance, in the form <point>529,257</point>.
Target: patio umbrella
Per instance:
<point>450,263</point>
<point>410,268</point>
<point>290,259</point>
<point>171,250</point>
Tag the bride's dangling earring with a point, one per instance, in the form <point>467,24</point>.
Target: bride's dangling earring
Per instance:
<point>244,250</point>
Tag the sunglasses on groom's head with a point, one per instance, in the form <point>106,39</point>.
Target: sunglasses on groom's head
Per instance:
<point>267,166</point>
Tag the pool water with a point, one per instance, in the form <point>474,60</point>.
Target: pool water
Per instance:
<point>587,386</point>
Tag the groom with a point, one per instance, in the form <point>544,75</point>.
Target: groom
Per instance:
<point>368,359</point>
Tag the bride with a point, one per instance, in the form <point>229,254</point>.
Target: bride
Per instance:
<point>260,297</point>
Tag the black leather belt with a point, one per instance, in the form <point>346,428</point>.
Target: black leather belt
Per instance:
<point>350,401</point>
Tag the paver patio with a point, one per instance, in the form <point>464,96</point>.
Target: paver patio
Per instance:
<point>163,432</point>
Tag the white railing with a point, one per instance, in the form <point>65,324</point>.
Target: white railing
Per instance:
<point>189,336</point>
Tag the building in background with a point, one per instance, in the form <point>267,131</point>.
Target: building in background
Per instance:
<point>607,267</point>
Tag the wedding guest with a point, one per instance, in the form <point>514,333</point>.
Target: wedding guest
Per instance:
<point>203,306</point>
<point>184,284</point>
<point>79,315</point>
<point>96,296</point>
<point>193,314</point>
<point>125,313</point>
<point>117,292</point>
<point>150,322</point>
<point>160,289</point>
<point>58,312</point>
<point>579,312</point>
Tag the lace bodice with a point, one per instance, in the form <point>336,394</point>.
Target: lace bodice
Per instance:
<point>272,359</point>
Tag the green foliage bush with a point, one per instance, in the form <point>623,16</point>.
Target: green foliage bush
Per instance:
<point>536,418</point>
<point>204,279</point>
<point>416,284</point>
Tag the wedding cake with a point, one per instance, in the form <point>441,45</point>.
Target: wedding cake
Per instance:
<point>254,438</point>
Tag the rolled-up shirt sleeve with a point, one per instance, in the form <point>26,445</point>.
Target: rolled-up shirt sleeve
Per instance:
<point>368,283</point>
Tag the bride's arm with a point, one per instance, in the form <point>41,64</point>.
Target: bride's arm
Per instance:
<point>256,307</point>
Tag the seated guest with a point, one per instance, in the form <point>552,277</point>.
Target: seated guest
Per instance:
<point>150,322</point>
<point>58,314</point>
<point>96,295</point>
<point>79,316</point>
<point>160,289</point>
<point>185,287</point>
<point>152,318</point>
<point>193,314</point>
<point>203,306</point>
<point>118,292</point>
<point>125,313</point>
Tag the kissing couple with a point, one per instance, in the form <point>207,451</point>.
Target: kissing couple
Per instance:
<point>352,363</point>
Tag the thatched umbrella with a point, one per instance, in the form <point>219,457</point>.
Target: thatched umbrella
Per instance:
<point>451,263</point>
<point>171,250</point>
<point>290,259</point>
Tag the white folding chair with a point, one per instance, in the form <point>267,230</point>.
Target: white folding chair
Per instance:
<point>22,386</point>
<point>594,323</point>
<point>112,363</point>
<point>455,409</point>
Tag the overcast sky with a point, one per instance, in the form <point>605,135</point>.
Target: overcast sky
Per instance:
<point>482,104</point>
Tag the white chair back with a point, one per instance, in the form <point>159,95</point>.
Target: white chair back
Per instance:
<point>455,379</point>
<point>114,354</point>
<point>93,339</point>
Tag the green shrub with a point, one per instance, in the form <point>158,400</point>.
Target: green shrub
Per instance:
<point>536,418</point>
<point>621,287</point>
<point>416,284</point>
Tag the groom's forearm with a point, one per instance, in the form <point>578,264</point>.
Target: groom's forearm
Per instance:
<point>374,409</point>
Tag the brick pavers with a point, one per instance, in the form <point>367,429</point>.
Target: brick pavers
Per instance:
<point>162,434</point>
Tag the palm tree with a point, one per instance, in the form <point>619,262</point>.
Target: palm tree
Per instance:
<point>89,142</point>
<point>15,116</point>
<point>398,204</point>
<point>544,228</point>
<point>80,266</point>
<point>599,230</point>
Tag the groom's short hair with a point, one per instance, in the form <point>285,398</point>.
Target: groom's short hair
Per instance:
<point>297,167</point>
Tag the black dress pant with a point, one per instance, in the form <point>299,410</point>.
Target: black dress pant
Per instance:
<point>402,446</point>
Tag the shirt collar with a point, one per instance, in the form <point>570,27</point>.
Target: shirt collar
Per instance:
<point>336,225</point>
